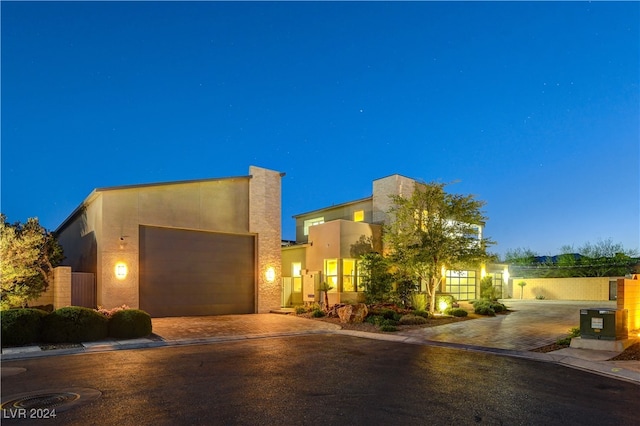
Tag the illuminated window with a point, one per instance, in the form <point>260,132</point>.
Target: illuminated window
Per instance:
<point>350,275</point>
<point>296,269</point>
<point>358,216</point>
<point>311,222</point>
<point>331,274</point>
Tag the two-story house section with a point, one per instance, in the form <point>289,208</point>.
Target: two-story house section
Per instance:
<point>329,242</point>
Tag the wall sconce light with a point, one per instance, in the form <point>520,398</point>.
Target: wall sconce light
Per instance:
<point>270,274</point>
<point>121,270</point>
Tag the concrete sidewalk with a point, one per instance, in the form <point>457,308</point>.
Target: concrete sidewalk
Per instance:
<point>530,325</point>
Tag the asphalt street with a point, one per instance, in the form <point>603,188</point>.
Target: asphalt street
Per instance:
<point>320,379</point>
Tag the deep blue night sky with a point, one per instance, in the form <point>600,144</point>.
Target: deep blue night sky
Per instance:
<point>533,107</point>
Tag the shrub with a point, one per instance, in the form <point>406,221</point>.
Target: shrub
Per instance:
<point>74,324</point>
<point>411,320</point>
<point>109,312</point>
<point>421,313</point>
<point>387,327</point>
<point>301,310</point>
<point>47,308</point>
<point>483,307</point>
<point>389,322</point>
<point>487,307</point>
<point>498,307</point>
<point>129,324</point>
<point>375,319</point>
<point>456,312</point>
<point>566,341</point>
<point>317,313</point>
<point>419,301</point>
<point>390,314</point>
<point>21,326</point>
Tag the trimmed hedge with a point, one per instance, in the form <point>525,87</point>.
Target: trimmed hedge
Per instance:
<point>412,320</point>
<point>456,312</point>
<point>129,324</point>
<point>486,307</point>
<point>21,326</point>
<point>74,324</point>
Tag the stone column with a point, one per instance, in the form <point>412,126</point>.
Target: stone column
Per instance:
<point>265,222</point>
<point>61,287</point>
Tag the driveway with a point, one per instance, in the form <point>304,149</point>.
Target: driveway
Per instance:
<point>241,326</point>
<point>530,324</point>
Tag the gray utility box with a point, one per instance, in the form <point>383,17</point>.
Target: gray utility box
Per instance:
<point>603,324</point>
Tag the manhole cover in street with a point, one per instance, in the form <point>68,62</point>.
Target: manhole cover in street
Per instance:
<point>58,400</point>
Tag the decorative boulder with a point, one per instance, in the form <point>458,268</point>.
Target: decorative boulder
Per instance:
<point>353,313</point>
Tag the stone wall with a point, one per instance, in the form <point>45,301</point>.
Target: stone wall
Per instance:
<point>265,222</point>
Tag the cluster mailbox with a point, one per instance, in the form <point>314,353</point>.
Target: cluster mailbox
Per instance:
<point>603,324</point>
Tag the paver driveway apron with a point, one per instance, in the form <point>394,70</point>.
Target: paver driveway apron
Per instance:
<point>529,325</point>
<point>227,326</point>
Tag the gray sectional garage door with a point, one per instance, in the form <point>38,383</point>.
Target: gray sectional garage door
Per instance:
<point>184,272</point>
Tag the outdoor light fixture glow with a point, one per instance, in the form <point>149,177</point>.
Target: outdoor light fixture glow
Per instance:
<point>270,274</point>
<point>443,305</point>
<point>121,270</point>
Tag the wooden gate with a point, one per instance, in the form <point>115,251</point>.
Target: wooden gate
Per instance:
<point>83,289</point>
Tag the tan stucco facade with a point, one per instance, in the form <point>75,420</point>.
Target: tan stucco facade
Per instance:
<point>577,288</point>
<point>104,230</point>
<point>629,299</point>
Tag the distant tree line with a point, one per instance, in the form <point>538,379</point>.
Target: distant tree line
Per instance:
<point>602,259</point>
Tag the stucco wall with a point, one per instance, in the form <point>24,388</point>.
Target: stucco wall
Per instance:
<point>580,288</point>
<point>212,205</point>
<point>629,299</point>
<point>105,230</point>
<point>342,211</point>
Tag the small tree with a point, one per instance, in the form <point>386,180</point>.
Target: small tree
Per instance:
<point>431,230</point>
<point>28,254</point>
<point>326,288</point>
<point>522,284</point>
<point>376,278</point>
<point>487,291</point>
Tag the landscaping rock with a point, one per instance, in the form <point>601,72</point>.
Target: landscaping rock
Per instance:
<point>353,313</point>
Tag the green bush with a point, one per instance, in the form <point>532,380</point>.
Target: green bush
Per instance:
<point>74,324</point>
<point>317,313</point>
<point>574,332</point>
<point>21,326</point>
<point>421,313</point>
<point>129,324</point>
<point>411,320</point>
<point>456,312</point>
<point>487,307</point>
<point>375,319</point>
<point>390,314</point>
<point>387,327</point>
<point>47,308</point>
<point>301,310</point>
<point>483,307</point>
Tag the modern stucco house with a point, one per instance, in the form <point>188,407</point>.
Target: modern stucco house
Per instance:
<point>329,241</point>
<point>199,247</point>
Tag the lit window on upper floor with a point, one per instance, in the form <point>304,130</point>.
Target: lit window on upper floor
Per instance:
<point>358,216</point>
<point>310,222</point>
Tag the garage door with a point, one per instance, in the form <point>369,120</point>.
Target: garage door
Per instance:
<point>184,272</point>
